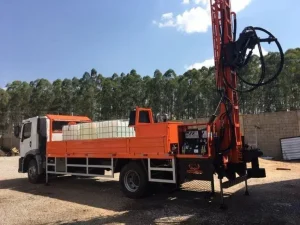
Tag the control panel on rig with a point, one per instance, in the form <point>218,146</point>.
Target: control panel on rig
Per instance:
<point>195,142</point>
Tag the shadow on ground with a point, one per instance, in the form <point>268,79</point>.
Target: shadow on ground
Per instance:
<point>100,193</point>
<point>272,203</point>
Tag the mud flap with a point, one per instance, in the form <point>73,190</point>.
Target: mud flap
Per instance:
<point>21,166</point>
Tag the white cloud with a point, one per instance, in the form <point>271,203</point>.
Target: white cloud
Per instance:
<point>239,5</point>
<point>168,23</point>
<point>236,5</point>
<point>196,19</point>
<point>167,16</point>
<point>207,63</point>
<point>256,51</point>
<point>167,20</point>
<point>204,2</point>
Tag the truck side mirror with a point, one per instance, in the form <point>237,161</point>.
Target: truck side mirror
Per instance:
<point>17,130</point>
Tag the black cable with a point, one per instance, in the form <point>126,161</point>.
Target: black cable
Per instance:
<point>228,112</point>
<point>261,57</point>
<point>234,28</point>
<point>280,52</point>
<point>231,125</point>
<point>248,39</point>
<point>222,93</point>
<point>262,81</point>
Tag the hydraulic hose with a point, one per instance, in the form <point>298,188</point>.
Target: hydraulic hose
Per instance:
<point>262,79</point>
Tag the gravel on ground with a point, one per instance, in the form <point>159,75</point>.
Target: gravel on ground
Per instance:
<point>273,200</point>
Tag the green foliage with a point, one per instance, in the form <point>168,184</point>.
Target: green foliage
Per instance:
<point>4,100</point>
<point>190,95</point>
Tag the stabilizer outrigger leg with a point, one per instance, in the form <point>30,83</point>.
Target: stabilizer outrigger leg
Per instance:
<point>223,206</point>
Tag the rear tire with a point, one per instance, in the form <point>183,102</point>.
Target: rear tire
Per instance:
<point>32,172</point>
<point>134,180</point>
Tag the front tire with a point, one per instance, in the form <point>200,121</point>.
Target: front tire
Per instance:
<point>134,180</point>
<point>33,176</point>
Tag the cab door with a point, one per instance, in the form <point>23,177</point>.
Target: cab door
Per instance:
<point>29,136</point>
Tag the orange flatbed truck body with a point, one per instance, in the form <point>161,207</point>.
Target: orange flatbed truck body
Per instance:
<point>151,141</point>
<point>157,153</point>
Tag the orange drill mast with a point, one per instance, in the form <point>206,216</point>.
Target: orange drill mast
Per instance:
<point>222,34</point>
<point>221,17</point>
<point>230,55</point>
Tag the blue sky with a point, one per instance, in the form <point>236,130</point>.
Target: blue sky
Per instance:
<point>62,39</point>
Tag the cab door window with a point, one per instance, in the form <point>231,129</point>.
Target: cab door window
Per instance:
<point>26,131</point>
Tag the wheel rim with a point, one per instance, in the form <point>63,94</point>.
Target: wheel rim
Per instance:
<point>132,181</point>
<point>32,171</point>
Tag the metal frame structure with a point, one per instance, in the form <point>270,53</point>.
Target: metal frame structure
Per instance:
<point>173,170</point>
<point>87,166</point>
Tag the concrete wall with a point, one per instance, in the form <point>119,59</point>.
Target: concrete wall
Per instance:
<point>269,129</point>
<point>263,130</point>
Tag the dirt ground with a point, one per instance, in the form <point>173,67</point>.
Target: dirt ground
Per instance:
<point>272,200</point>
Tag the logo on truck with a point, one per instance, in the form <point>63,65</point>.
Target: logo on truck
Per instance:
<point>194,169</point>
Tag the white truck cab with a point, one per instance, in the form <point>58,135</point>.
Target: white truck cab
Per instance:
<point>33,134</point>
<point>29,137</point>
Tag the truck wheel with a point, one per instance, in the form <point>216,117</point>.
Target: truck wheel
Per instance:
<point>32,172</point>
<point>134,180</point>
